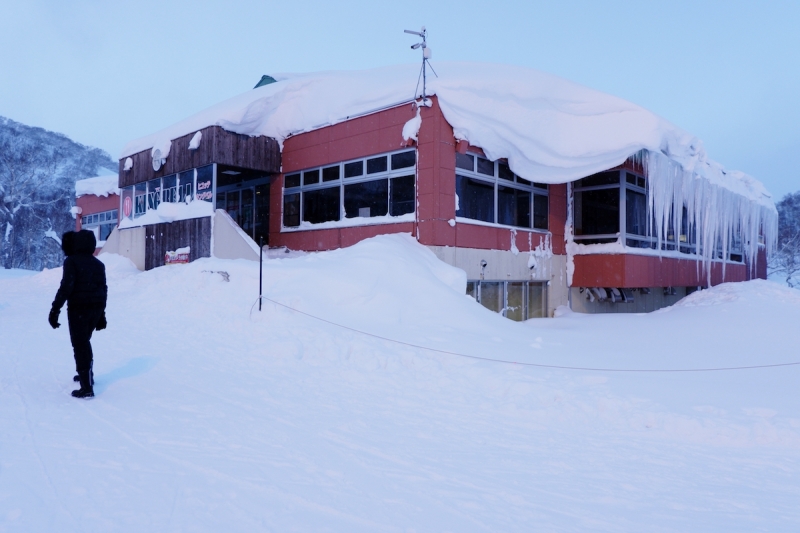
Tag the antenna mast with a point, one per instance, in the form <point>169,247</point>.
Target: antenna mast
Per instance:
<point>426,54</point>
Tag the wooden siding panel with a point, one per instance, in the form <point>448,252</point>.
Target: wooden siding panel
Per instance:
<point>169,236</point>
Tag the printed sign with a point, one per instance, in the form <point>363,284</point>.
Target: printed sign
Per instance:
<point>204,191</point>
<point>178,257</point>
<point>127,207</point>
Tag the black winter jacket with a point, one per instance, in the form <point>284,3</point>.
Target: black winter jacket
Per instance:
<point>83,283</point>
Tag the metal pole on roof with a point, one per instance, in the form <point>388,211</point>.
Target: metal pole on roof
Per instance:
<point>425,56</point>
<point>260,267</point>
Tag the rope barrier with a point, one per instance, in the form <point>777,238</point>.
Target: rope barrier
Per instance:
<point>509,362</point>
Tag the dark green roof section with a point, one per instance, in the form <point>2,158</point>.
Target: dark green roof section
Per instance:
<point>265,80</point>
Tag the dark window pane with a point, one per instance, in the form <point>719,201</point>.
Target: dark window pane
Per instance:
<point>485,166</point>
<point>368,199</point>
<point>220,200</point>
<point>291,210</point>
<point>641,182</point>
<point>515,300</point>
<point>492,295</point>
<point>292,180</point>
<point>105,231</point>
<point>232,206</point>
<point>330,173</point>
<point>603,178</point>
<point>597,212</point>
<point>504,172</point>
<point>635,213</point>
<point>402,199</point>
<point>310,177</point>
<point>140,200</point>
<point>185,186</point>
<point>523,181</point>
<point>356,168</point>
<point>513,207</point>
<point>153,193</point>
<point>321,205</point>
<point>170,189</point>
<point>475,199</point>
<point>537,300</point>
<point>540,185</point>
<point>378,164</point>
<point>467,162</point>
<point>630,178</point>
<point>404,159</point>
<point>205,181</point>
<point>246,217</point>
<point>472,289</point>
<point>541,206</point>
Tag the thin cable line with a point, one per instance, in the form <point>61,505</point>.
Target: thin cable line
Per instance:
<point>537,365</point>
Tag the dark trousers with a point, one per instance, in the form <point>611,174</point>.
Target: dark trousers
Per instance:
<point>82,321</point>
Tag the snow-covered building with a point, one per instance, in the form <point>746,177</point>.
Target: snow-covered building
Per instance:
<point>545,192</point>
<point>97,206</point>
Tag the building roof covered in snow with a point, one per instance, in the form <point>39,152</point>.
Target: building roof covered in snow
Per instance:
<point>551,130</point>
<point>97,186</point>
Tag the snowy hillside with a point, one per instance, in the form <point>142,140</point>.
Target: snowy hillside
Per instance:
<point>213,416</point>
<point>37,188</point>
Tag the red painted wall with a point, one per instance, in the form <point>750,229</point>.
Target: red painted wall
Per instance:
<point>91,204</point>
<point>631,271</point>
<point>436,183</point>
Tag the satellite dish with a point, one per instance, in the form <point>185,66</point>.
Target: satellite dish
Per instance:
<point>157,160</point>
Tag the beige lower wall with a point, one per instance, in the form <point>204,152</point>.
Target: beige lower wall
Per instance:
<point>503,265</point>
<point>642,303</point>
<point>127,243</point>
<point>230,242</point>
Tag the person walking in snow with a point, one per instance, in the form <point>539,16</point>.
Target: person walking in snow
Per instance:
<point>83,287</point>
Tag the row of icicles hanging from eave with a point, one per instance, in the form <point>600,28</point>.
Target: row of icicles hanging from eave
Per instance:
<point>715,215</point>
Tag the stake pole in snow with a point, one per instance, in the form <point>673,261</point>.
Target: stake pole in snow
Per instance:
<point>260,267</point>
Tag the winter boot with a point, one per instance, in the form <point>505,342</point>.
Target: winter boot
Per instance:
<point>85,379</point>
<point>76,378</point>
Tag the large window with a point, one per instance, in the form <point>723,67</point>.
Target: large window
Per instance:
<point>375,186</point>
<point>195,184</point>
<point>488,191</point>
<point>101,223</point>
<point>517,300</point>
<point>612,206</point>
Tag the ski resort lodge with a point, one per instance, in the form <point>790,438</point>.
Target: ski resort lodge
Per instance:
<point>546,193</point>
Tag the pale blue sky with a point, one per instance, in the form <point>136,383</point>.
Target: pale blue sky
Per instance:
<point>105,72</point>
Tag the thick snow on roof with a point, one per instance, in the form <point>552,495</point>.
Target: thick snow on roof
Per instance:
<point>551,130</point>
<point>98,186</point>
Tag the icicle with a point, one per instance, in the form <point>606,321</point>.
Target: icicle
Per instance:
<point>715,213</point>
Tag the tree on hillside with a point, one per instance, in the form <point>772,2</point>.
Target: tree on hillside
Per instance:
<point>786,261</point>
<point>38,170</point>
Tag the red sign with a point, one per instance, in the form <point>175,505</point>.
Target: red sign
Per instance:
<point>127,206</point>
<point>176,258</point>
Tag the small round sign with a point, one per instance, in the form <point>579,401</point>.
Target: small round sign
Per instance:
<point>127,206</point>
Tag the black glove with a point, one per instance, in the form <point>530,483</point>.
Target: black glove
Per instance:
<point>53,318</point>
<point>101,324</point>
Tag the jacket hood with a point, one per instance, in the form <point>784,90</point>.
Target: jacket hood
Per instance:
<point>82,242</point>
<point>67,243</point>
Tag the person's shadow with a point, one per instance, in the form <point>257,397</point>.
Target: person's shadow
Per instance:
<point>134,367</point>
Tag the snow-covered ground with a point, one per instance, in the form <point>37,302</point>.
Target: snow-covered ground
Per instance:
<point>213,416</point>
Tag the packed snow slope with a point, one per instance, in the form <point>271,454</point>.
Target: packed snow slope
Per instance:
<point>213,416</point>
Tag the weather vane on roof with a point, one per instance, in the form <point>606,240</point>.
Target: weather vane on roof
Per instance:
<point>426,55</point>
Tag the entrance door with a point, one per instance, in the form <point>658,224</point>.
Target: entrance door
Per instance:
<point>249,208</point>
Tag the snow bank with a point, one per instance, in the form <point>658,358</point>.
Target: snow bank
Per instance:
<point>97,186</point>
<point>287,421</point>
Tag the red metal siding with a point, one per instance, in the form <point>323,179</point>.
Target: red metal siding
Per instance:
<point>631,271</point>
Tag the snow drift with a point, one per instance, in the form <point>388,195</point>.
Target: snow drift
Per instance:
<point>213,416</point>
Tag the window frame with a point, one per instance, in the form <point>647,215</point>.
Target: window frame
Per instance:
<point>518,183</point>
<point>342,182</point>
<point>474,289</point>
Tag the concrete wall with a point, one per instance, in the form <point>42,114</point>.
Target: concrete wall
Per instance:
<point>128,243</point>
<point>230,242</point>
<point>503,265</point>
<point>642,303</point>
